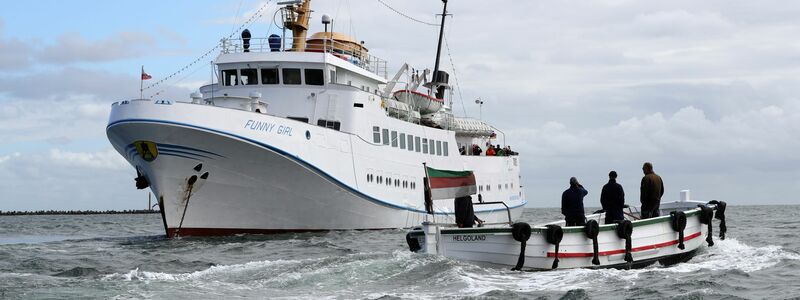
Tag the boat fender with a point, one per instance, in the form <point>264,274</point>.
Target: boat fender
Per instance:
<point>413,243</point>
<point>678,222</point>
<point>723,228</point>
<point>553,235</point>
<point>592,229</point>
<point>624,231</point>
<point>521,232</point>
<point>706,215</point>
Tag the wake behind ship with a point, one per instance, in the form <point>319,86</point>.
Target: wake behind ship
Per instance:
<point>304,134</point>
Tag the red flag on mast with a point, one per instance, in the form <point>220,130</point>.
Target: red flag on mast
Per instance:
<point>145,76</point>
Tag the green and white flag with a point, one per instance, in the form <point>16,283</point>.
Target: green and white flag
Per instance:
<point>446,184</point>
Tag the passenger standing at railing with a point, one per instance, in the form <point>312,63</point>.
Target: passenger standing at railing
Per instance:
<point>572,203</point>
<point>651,191</point>
<point>612,198</point>
<point>499,151</point>
<point>490,151</point>
<point>476,150</point>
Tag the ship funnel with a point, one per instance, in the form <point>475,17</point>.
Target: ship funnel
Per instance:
<point>440,80</point>
<point>246,40</point>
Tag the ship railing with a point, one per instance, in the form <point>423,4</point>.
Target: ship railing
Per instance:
<point>347,51</point>
<point>508,213</point>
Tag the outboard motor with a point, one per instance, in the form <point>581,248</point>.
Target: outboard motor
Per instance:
<point>274,42</point>
<point>246,40</point>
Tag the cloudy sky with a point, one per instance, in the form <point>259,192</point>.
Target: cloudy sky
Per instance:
<point>709,91</point>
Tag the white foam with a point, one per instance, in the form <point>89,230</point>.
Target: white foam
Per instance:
<point>729,254</point>
<point>136,274</point>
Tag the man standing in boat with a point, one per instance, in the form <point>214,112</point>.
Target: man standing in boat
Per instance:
<point>612,198</point>
<point>651,191</point>
<point>572,203</point>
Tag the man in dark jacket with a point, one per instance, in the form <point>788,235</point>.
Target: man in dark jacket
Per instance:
<point>613,199</point>
<point>465,214</point>
<point>572,203</point>
<point>651,191</point>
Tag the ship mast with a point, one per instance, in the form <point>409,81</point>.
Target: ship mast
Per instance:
<point>295,18</point>
<point>436,78</point>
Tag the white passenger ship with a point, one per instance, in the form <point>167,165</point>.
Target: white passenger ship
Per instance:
<point>304,134</point>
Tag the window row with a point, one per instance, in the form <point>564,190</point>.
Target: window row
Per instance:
<point>388,181</point>
<point>291,76</point>
<point>488,188</point>
<point>409,142</point>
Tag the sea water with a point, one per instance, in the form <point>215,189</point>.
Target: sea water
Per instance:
<point>128,257</point>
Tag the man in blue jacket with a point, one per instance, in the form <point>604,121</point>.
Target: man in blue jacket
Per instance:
<point>572,203</point>
<point>613,199</point>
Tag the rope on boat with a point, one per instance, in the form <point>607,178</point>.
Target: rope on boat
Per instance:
<point>706,215</point>
<point>553,235</point>
<point>624,231</point>
<point>723,228</point>
<point>256,15</point>
<point>521,232</point>
<point>592,230</point>
<point>678,222</point>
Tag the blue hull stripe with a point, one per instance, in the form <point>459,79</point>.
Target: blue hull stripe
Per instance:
<point>176,148</point>
<point>299,161</point>
<point>163,151</point>
<point>178,155</point>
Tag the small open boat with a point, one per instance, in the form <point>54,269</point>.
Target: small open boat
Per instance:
<point>683,227</point>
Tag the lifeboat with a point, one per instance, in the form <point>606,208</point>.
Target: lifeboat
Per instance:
<point>424,103</point>
<point>339,44</point>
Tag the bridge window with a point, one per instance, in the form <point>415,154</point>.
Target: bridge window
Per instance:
<point>376,134</point>
<point>445,148</point>
<point>269,76</point>
<point>432,147</point>
<point>314,77</point>
<point>394,138</point>
<point>402,141</point>
<point>439,148</point>
<point>385,136</point>
<point>410,142</point>
<point>291,76</point>
<point>249,76</point>
<point>425,146</point>
<point>229,77</point>
<point>416,144</point>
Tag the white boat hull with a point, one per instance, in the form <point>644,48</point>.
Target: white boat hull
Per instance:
<point>652,240</point>
<point>255,185</point>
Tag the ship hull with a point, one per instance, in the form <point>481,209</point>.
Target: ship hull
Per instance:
<point>247,184</point>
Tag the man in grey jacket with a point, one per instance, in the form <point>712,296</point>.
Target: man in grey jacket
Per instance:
<point>651,191</point>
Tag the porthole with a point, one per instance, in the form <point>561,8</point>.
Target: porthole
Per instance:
<point>308,135</point>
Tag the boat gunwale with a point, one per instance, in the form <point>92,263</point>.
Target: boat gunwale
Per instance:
<point>566,229</point>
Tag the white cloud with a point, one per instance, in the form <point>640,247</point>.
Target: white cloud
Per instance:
<point>73,47</point>
<point>109,159</point>
<point>6,158</point>
<point>706,90</point>
<point>61,179</point>
<point>14,53</point>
